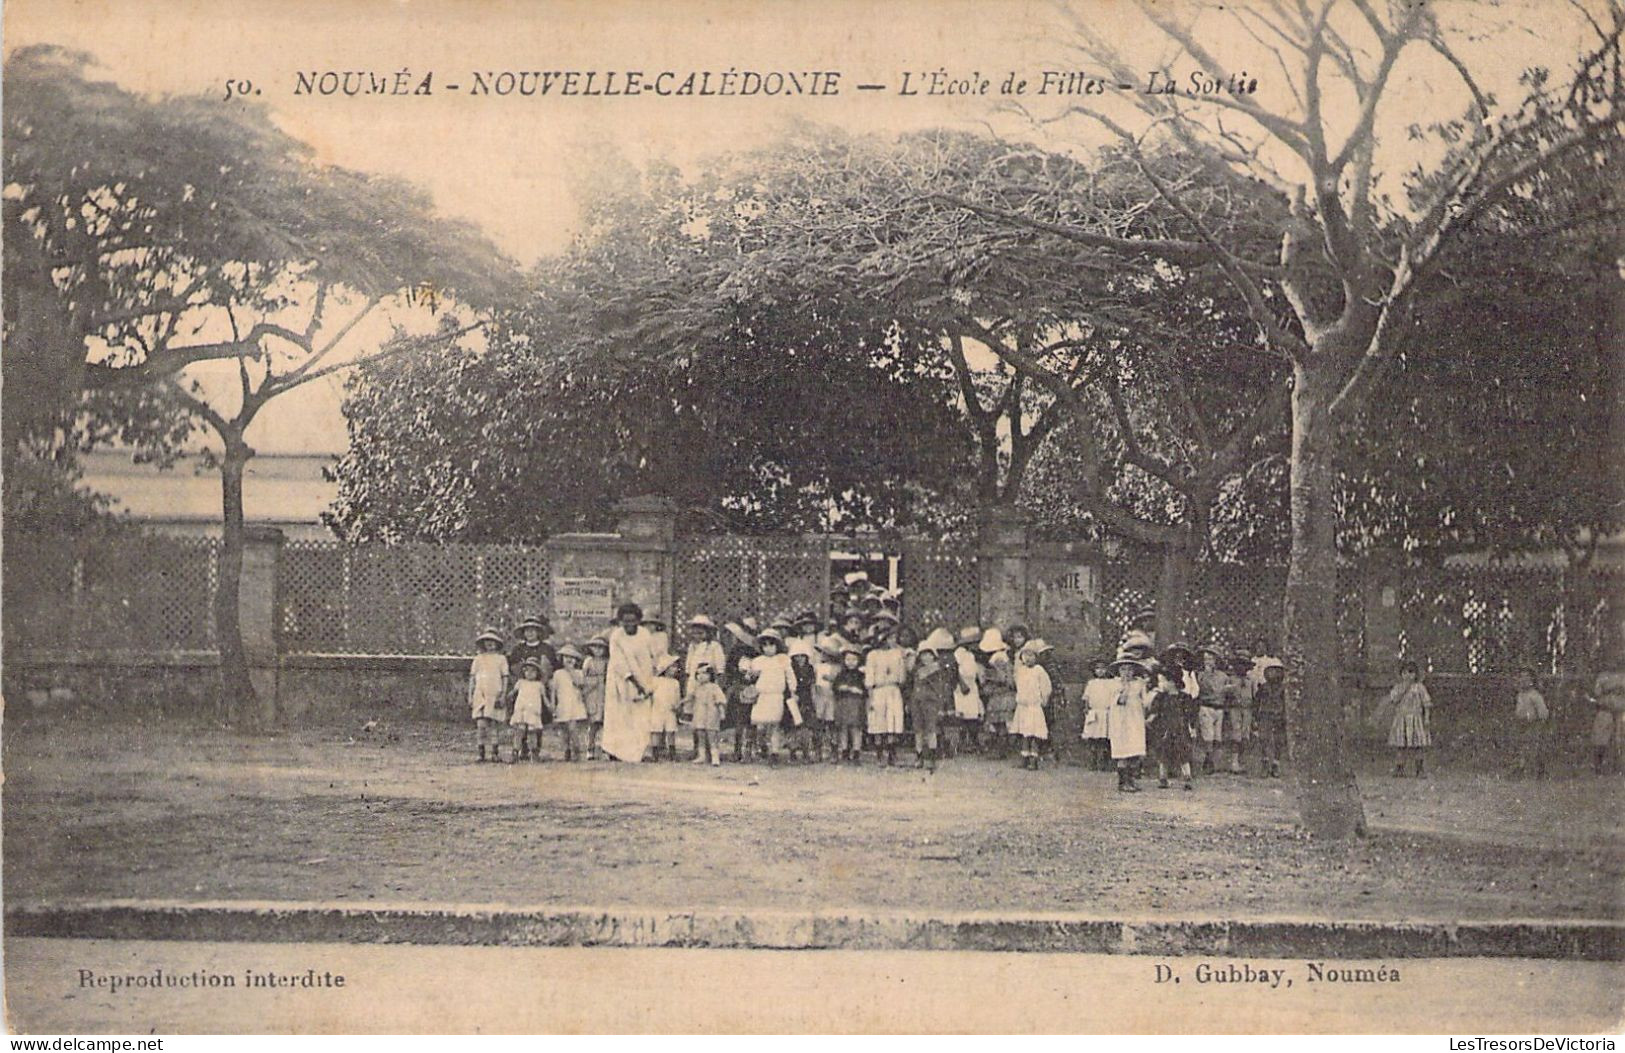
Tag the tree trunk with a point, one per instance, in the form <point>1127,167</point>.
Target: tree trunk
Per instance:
<point>1173,584</point>
<point>1328,797</point>
<point>236,690</point>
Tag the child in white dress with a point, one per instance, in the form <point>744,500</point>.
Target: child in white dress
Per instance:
<point>529,697</point>
<point>487,687</point>
<point>569,706</point>
<point>1098,696</point>
<point>1033,690</point>
<point>666,697</point>
<point>705,704</point>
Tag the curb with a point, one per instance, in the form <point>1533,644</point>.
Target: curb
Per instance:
<point>547,926</point>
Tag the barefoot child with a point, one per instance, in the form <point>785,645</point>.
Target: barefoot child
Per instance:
<point>1033,690</point>
<point>487,686</point>
<point>529,697</point>
<point>705,704</point>
<point>569,708</point>
<point>1408,734</point>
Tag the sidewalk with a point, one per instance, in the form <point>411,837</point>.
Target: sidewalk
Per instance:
<point>555,926</point>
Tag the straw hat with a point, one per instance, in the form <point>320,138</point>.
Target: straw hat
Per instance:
<point>939,639</point>
<point>740,633</point>
<point>969,635</point>
<point>702,621</point>
<point>534,621</point>
<point>1134,662</point>
<point>654,618</point>
<point>992,641</point>
<point>1035,646</point>
<point>571,651</point>
<point>830,644</point>
<point>886,616</point>
<point>770,634</point>
<point>488,633</point>
<point>749,621</point>
<point>531,663</point>
<point>807,618</point>
<point>853,577</point>
<point>1135,640</point>
<point>598,640</point>
<point>799,646</point>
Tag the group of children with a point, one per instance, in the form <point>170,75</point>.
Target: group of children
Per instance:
<point>1173,708</point>
<point>801,687</point>
<point>828,689</point>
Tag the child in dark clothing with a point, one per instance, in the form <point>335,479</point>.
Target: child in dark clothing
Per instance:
<point>1172,723</point>
<point>851,705</point>
<point>1269,716</point>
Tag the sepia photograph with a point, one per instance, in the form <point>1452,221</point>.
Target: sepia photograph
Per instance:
<point>859,517</point>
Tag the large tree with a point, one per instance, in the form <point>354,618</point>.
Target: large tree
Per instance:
<point>1148,363</point>
<point>1353,258</point>
<point>165,236</point>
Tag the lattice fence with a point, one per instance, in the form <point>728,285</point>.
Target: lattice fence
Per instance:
<point>726,576</point>
<point>123,593</point>
<point>1234,602</point>
<point>1492,619</point>
<point>406,599</point>
<point>941,585</point>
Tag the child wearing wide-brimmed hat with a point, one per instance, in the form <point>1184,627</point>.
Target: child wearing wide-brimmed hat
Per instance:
<point>739,646</point>
<point>1126,721</point>
<point>1171,721</point>
<point>801,726</point>
<point>1033,690</point>
<point>968,708</point>
<point>775,681</point>
<point>532,645</point>
<point>885,671</point>
<point>704,704</point>
<point>594,671</point>
<point>998,689</point>
<point>530,712</point>
<point>665,697</point>
<point>487,687</point>
<point>932,695</point>
<point>569,707</point>
<point>704,648</point>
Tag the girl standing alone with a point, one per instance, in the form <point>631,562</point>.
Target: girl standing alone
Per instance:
<point>1408,734</point>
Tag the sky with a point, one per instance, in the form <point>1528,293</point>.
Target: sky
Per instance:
<point>513,165</point>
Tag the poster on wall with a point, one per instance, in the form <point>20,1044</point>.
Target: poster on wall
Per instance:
<point>582,606</point>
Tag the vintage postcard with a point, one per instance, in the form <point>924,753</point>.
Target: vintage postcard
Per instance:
<point>1013,516</point>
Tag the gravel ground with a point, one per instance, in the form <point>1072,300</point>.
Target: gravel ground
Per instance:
<point>396,814</point>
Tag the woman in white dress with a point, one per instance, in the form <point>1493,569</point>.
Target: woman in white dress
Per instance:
<point>628,686</point>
